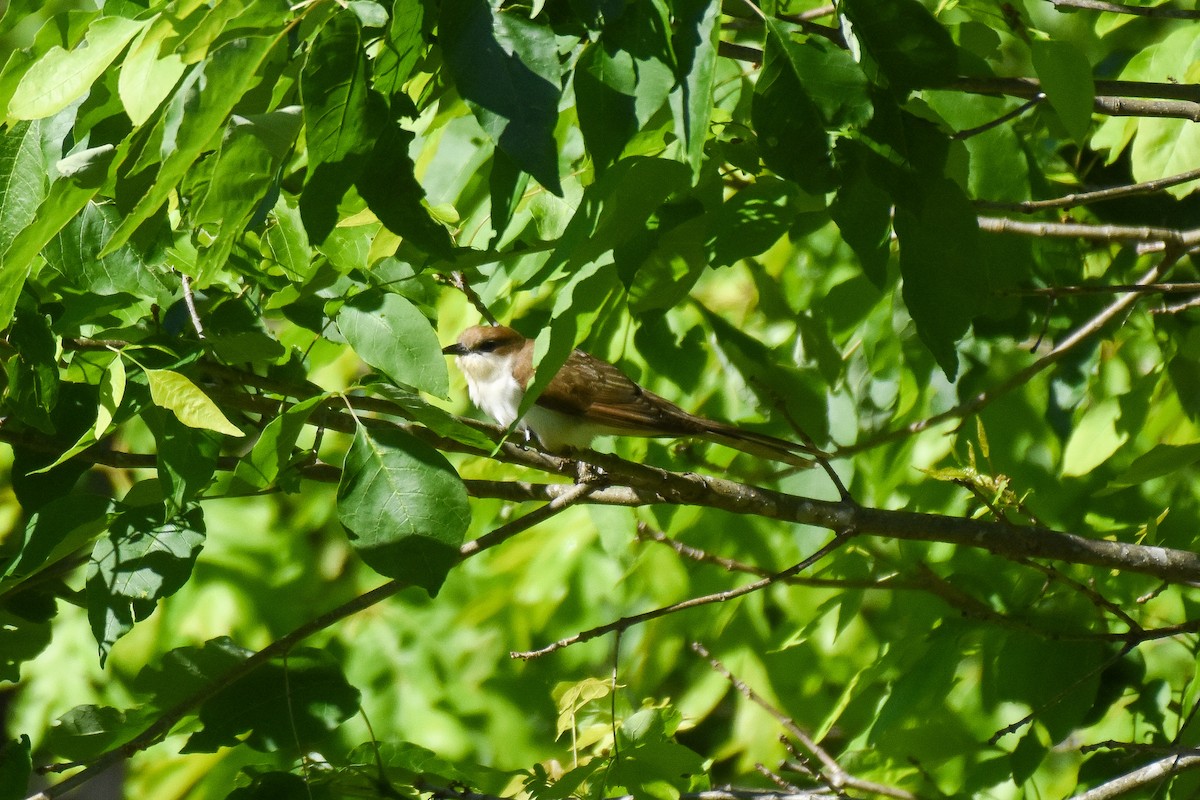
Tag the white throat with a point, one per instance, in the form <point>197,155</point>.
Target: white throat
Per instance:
<point>492,386</point>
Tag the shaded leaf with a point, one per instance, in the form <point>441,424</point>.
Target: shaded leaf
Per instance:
<point>202,104</point>
<point>16,768</point>
<point>392,192</point>
<point>506,68</point>
<point>86,732</point>
<point>403,506</point>
<point>274,452</point>
<point>139,562</point>
<point>911,48</point>
<point>791,131</point>
<point>1066,78</point>
<point>945,280</point>
<point>293,701</point>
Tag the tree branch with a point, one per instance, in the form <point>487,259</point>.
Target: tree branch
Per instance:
<point>980,400</point>
<point>1151,773</point>
<point>162,726</point>
<point>625,623</point>
<point>1094,233</point>
<point>1096,196</point>
<point>832,774</point>
<point>1117,8</point>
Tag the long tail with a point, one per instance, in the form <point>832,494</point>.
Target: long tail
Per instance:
<point>762,445</point>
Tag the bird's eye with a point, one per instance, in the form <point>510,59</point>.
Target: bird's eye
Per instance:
<point>488,346</point>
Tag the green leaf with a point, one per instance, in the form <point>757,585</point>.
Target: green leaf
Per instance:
<point>392,192</point>
<point>187,459</point>
<point>389,333</point>
<point>285,242</point>
<point>694,38</point>
<point>200,108</point>
<point>58,529</point>
<point>773,381</point>
<point>506,68</point>
<point>62,202</point>
<point>282,785</point>
<point>863,214</point>
<point>438,420</point>
<point>1056,679</point>
<point>185,671</point>
<point>75,252</point>
<point>341,119</point>
<point>193,407</point>
<point>23,179</point>
<point>252,151</point>
<point>831,78</point>
<point>403,506</point>
<point>405,43</point>
<point>1160,460</point>
<point>1095,438</point>
<point>33,382</point>
<point>148,72</point>
<point>791,131</point>
<point>274,452</point>
<point>1066,78</point>
<point>911,48</point>
<point>61,77</point>
<point>673,260</point>
<point>20,641</point>
<point>945,280</point>
<point>16,768</point>
<point>140,561</point>
<point>614,209</point>
<point>622,80</point>
<point>753,219</point>
<point>408,763</point>
<point>334,88</point>
<point>87,732</point>
<point>295,701</point>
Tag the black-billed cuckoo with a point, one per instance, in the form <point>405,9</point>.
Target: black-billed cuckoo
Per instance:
<point>587,398</point>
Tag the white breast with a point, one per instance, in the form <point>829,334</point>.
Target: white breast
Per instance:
<point>491,385</point>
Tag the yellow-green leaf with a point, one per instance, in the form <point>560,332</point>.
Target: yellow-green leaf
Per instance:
<point>193,407</point>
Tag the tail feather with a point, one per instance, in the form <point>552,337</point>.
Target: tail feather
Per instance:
<point>762,445</point>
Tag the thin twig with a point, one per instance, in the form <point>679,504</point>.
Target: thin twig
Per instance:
<point>190,301</point>
<point>833,774</point>
<point>1020,378</point>
<point>1115,288</point>
<point>1093,233</point>
<point>169,718</point>
<point>459,281</point>
<point>1151,773</point>
<point>1061,695</point>
<point>625,623</point>
<point>1118,8</point>
<point>1000,120</point>
<point>1095,196</point>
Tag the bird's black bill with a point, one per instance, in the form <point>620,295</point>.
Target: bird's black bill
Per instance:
<point>454,350</point>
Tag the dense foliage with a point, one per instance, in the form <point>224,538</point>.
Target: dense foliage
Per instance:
<point>251,551</point>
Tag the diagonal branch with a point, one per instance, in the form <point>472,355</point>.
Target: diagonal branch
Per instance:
<point>171,717</point>
<point>1020,378</point>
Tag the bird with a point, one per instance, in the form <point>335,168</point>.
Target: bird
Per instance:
<point>587,397</point>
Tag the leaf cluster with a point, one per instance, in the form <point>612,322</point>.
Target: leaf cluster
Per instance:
<point>248,535</point>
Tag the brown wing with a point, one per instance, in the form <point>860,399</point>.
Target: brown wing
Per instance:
<point>587,386</point>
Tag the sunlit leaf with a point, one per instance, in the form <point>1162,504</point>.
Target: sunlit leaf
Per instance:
<point>192,406</point>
